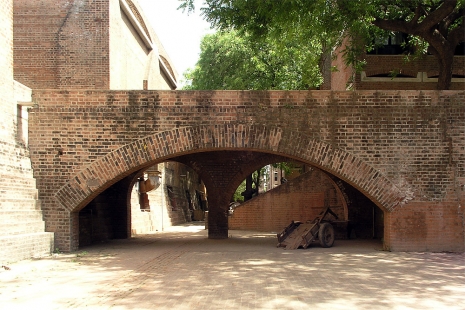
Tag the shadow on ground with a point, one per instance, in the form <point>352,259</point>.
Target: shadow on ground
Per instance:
<point>183,269</point>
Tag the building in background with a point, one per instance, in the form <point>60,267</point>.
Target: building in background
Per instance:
<point>88,45</point>
<point>387,67</point>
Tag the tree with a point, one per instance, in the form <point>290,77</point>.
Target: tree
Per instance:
<point>230,60</point>
<point>322,24</point>
<point>284,24</point>
<point>439,23</point>
<point>250,187</point>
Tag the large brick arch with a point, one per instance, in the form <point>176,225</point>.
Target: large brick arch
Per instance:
<point>93,179</point>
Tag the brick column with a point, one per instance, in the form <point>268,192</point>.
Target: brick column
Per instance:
<point>222,172</point>
<point>218,213</point>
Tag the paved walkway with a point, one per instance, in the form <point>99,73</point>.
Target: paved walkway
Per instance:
<point>182,269</point>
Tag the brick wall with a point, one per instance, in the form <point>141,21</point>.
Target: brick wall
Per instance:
<point>36,48</point>
<point>6,63</point>
<point>385,64</point>
<point>62,44</point>
<point>426,225</point>
<point>300,199</point>
<point>84,45</point>
<point>396,147</point>
<point>303,198</point>
<point>21,225</point>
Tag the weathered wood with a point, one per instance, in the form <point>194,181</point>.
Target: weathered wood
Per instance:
<point>297,235</point>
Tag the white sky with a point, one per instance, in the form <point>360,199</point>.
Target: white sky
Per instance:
<point>179,33</point>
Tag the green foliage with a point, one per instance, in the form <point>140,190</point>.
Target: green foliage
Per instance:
<point>234,60</point>
<point>256,181</point>
<point>318,26</point>
<point>312,27</point>
<point>433,26</point>
<point>237,194</point>
<point>370,19</point>
<point>284,166</point>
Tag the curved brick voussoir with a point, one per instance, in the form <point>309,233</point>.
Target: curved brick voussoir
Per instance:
<point>347,167</point>
<point>163,145</point>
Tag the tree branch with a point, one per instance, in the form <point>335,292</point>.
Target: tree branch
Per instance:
<point>445,25</point>
<point>449,20</point>
<point>437,15</point>
<point>417,15</point>
<point>457,35</point>
<point>393,25</point>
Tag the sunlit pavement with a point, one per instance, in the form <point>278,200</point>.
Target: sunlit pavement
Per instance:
<point>182,269</point>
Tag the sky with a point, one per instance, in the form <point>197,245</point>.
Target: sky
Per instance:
<point>179,33</point>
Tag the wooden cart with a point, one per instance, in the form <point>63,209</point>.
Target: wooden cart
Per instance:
<point>299,234</point>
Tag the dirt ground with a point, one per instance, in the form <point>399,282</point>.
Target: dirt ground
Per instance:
<point>182,269</point>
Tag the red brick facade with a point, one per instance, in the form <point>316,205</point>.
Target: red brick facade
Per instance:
<point>101,44</point>
<point>402,149</point>
<point>392,72</point>
<point>420,74</point>
<point>48,36</point>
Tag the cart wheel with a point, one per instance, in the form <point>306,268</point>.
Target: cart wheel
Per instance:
<point>326,235</point>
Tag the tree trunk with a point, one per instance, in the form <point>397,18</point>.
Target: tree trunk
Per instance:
<point>445,62</point>
<point>248,193</point>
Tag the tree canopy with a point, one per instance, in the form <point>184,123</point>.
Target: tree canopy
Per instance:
<point>437,25</point>
<point>433,26</point>
<point>229,60</point>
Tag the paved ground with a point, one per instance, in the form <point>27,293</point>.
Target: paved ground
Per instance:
<point>182,269</point>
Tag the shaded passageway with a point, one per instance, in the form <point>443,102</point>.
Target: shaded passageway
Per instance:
<point>124,209</point>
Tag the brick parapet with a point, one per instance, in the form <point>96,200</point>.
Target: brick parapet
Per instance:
<point>381,128</point>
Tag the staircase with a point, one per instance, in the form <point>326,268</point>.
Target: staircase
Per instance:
<point>22,228</point>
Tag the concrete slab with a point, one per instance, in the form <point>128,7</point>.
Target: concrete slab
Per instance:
<point>182,269</point>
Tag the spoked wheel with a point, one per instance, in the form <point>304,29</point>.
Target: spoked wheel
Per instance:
<point>326,235</point>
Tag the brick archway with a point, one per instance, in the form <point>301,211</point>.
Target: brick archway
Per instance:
<point>90,181</point>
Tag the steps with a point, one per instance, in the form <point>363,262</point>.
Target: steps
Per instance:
<point>22,228</point>
<point>23,246</point>
<point>21,222</point>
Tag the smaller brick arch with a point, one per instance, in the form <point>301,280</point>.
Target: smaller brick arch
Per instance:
<point>93,179</point>
<point>432,73</point>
